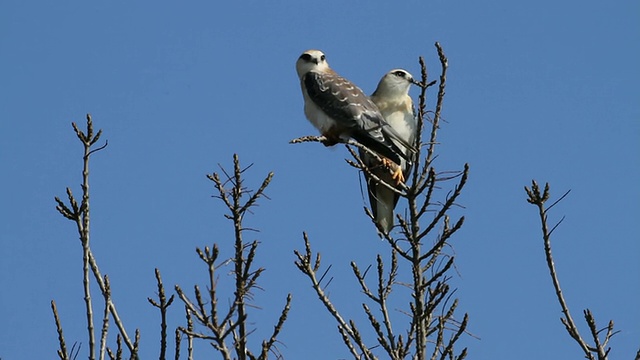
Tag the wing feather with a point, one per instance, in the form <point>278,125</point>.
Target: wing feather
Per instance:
<point>354,112</point>
<point>339,98</point>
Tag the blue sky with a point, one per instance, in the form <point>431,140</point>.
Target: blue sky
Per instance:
<point>545,90</point>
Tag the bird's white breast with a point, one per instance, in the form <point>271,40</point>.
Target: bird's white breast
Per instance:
<point>400,116</point>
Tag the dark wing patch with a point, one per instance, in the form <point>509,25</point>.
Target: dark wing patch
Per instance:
<point>337,97</point>
<point>354,112</point>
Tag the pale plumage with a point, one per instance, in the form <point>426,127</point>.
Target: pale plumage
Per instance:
<point>393,100</point>
<point>340,110</point>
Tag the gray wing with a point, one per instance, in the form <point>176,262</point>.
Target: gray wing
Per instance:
<point>355,113</point>
<point>344,102</point>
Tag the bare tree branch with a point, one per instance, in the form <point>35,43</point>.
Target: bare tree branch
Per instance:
<point>62,353</point>
<point>79,214</point>
<point>349,334</point>
<point>538,198</point>
<point>163,304</point>
<point>228,329</point>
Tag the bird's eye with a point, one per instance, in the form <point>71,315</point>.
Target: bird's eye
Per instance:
<point>322,58</point>
<point>305,57</point>
<point>400,73</point>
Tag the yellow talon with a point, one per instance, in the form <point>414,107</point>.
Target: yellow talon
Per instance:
<point>397,175</point>
<point>396,170</point>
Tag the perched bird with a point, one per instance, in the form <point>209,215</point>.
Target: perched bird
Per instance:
<point>395,104</point>
<point>340,110</point>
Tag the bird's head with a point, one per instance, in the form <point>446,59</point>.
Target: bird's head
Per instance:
<point>395,82</point>
<point>311,60</point>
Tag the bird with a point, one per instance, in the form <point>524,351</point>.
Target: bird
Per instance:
<point>393,100</point>
<point>340,110</point>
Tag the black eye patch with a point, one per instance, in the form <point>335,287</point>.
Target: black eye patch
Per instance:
<point>400,73</point>
<point>305,57</point>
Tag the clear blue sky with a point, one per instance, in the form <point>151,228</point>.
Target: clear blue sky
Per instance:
<point>545,90</point>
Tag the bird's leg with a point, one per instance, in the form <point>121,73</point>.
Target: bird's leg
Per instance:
<point>397,175</point>
<point>396,170</point>
<point>331,137</point>
<point>327,141</point>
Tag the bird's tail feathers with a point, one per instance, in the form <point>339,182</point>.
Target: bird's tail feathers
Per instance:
<point>382,200</point>
<point>383,209</point>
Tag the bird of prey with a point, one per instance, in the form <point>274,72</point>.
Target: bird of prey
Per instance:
<point>340,110</point>
<point>393,101</point>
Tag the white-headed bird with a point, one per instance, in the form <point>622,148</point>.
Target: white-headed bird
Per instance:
<point>393,100</point>
<point>340,110</point>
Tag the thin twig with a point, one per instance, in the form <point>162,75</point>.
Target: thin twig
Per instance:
<point>350,335</point>
<point>538,198</point>
<point>163,305</point>
<point>62,353</point>
<point>105,318</point>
